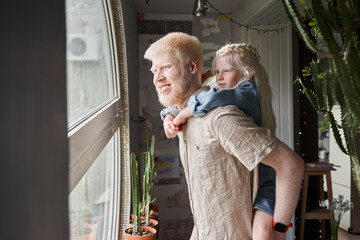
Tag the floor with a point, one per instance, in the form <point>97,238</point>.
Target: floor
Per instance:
<point>343,235</point>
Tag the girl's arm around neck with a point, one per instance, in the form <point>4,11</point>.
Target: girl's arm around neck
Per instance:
<point>182,116</point>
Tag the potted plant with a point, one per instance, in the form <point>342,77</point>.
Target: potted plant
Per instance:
<point>339,207</point>
<point>146,211</point>
<point>84,227</point>
<point>148,217</point>
<point>85,233</point>
<point>137,231</point>
<point>330,28</point>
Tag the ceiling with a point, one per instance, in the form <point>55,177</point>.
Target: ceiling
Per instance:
<point>251,12</point>
<point>181,6</point>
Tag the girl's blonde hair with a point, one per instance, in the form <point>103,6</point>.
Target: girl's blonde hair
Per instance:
<point>246,58</point>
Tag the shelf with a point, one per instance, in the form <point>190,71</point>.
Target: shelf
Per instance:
<point>321,213</point>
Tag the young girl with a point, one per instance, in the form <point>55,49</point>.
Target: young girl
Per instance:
<point>242,81</point>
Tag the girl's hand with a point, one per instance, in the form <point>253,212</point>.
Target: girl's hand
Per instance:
<point>182,116</point>
<point>170,128</point>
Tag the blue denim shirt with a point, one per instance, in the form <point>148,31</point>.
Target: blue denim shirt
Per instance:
<point>243,96</point>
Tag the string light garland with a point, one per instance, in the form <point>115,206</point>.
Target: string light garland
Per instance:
<point>200,6</point>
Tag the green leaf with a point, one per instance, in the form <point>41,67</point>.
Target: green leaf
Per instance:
<point>324,124</point>
<point>302,2</point>
<point>312,24</point>
<point>296,20</point>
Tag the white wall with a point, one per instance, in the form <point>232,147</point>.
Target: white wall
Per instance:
<point>341,178</point>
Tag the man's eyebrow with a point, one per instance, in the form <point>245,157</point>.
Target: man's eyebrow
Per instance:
<point>161,66</point>
<point>153,68</point>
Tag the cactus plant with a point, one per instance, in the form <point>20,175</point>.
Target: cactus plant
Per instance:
<point>141,190</point>
<point>149,176</point>
<point>135,185</point>
<point>331,28</point>
<point>141,199</point>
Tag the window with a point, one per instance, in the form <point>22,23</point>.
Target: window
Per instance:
<point>90,59</point>
<point>97,178</point>
<point>94,200</point>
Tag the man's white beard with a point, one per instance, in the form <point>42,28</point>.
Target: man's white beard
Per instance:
<point>180,88</point>
<point>166,100</point>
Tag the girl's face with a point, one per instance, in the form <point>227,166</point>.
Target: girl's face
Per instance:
<point>226,75</point>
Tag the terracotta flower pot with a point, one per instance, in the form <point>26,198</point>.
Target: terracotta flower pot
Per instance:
<point>154,215</point>
<point>154,224</point>
<point>90,236</point>
<point>154,207</point>
<point>90,231</point>
<point>150,236</point>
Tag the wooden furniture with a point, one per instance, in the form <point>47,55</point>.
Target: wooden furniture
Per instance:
<point>322,213</point>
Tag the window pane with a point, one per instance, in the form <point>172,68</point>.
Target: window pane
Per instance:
<point>93,203</point>
<point>90,72</point>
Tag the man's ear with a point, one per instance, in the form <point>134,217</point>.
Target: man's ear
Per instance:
<point>193,67</point>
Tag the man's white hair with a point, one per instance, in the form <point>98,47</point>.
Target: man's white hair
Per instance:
<point>184,46</point>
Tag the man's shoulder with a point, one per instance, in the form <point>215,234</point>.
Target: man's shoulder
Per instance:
<point>230,115</point>
<point>225,110</point>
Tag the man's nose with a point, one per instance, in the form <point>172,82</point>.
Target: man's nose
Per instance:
<point>158,76</point>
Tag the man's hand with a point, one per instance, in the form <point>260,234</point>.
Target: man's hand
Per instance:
<point>170,128</point>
